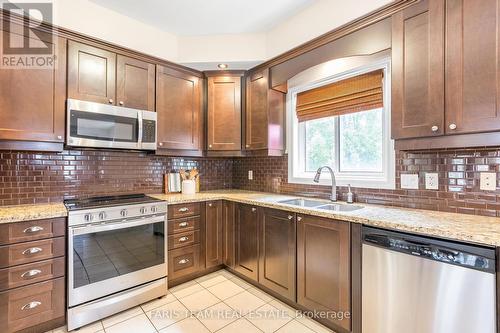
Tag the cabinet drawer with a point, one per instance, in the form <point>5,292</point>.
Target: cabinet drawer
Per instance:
<point>183,225</point>
<point>23,253</point>
<point>184,210</point>
<point>183,239</point>
<point>31,230</point>
<point>23,275</point>
<point>31,305</point>
<point>183,261</point>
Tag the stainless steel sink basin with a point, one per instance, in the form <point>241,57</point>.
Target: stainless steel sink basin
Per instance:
<point>339,208</point>
<point>302,202</point>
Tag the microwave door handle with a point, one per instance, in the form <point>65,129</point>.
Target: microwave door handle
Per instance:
<point>140,122</point>
<point>114,225</point>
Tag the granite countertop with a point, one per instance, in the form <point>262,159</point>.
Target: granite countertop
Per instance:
<point>481,230</point>
<point>461,227</point>
<point>21,213</point>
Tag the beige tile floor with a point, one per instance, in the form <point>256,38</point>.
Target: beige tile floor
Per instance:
<point>218,302</point>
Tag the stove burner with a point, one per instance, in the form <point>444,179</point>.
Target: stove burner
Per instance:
<point>108,201</point>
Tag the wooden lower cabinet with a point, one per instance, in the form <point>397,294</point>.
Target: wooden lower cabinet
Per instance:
<point>324,267</point>
<point>277,253</point>
<point>247,241</point>
<point>213,234</point>
<point>228,218</point>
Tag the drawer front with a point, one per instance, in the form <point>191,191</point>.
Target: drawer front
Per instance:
<point>23,275</point>
<point>31,305</point>
<point>183,239</point>
<point>183,261</point>
<point>184,210</point>
<point>24,253</point>
<point>183,225</point>
<point>32,230</point>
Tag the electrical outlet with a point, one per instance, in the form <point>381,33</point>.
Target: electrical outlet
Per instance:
<point>409,181</point>
<point>431,181</point>
<point>488,181</point>
<point>250,175</point>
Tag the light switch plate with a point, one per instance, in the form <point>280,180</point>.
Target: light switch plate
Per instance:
<point>409,181</point>
<point>250,174</point>
<point>488,181</point>
<point>431,181</point>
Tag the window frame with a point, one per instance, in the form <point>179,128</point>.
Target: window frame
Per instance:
<point>296,137</point>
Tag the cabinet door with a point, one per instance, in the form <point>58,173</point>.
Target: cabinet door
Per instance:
<point>228,217</point>
<point>472,66</point>
<point>135,83</point>
<point>277,252</point>
<point>256,125</point>
<point>224,113</point>
<point>91,73</point>
<point>323,265</point>
<point>32,101</point>
<point>213,233</point>
<point>179,109</point>
<point>246,241</point>
<point>418,70</point>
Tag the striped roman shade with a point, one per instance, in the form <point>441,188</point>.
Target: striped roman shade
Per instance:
<point>355,94</point>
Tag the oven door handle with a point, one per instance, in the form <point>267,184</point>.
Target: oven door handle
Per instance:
<point>114,225</point>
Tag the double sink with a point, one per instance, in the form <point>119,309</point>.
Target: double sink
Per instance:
<point>316,204</point>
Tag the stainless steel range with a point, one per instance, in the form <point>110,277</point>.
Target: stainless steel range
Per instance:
<point>117,255</point>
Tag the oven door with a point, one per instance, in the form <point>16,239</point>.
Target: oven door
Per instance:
<point>98,125</point>
<point>105,258</point>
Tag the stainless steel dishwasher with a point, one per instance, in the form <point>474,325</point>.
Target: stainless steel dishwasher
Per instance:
<point>416,284</point>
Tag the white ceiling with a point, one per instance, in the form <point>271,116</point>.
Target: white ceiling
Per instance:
<point>208,17</point>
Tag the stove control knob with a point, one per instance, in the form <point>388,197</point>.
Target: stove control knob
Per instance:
<point>88,217</point>
<point>154,209</point>
<point>123,212</point>
<point>143,210</point>
<point>102,215</point>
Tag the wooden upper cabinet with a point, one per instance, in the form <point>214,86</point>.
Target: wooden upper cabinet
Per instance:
<point>91,73</point>
<point>418,70</point>
<point>180,115</point>
<point>472,66</point>
<point>324,266</point>
<point>213,233</point>
<point>224,113</point>
<point>32,101</point>
<point>246,235</point>
<point>135,83</point>
<point>277,252</point>
<point>264,115</point>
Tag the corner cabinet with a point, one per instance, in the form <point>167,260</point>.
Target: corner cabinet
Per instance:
<point>32,101</point>
<point>224,114</point>
<point>180,112</point>
<point>324,266</point>
<point>264,116</point>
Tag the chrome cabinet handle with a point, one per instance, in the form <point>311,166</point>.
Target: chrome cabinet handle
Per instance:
<point>32,229</point>
<point>110,101</point>
<point>299,218</point>
<point>183,239</point>
<point>32,250</point>
<point>161,144</point>
<point>183,261</point>
<point>254,209</point>
<point>247,146</point>
<point>453,126</point>
<point>31,273</point>
<point>210,205</point>
<point>434,128</point>
<point>209,146</point>
<point>121,103</point>
<point>290,217</point>
<point>183,209</point>
<point>31,305</point>
<point>59,137</point>
<point>183,224</point>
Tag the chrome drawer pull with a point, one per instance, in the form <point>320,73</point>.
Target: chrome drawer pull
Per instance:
<point>31,305</point>
<point>183,261</point>
<point>32,250</point>
<point>30,274</point>
<point>183,239</point>
<point>254,209</point>
<point>183,224</point>
<point>299,218</point>
<point>32,229</point>
<point>290,217</point>
<point>183,209</point>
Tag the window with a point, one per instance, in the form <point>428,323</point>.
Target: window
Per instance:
<point>357,146</point>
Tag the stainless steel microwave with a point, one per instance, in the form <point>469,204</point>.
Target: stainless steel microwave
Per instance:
<point>98,125</point>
